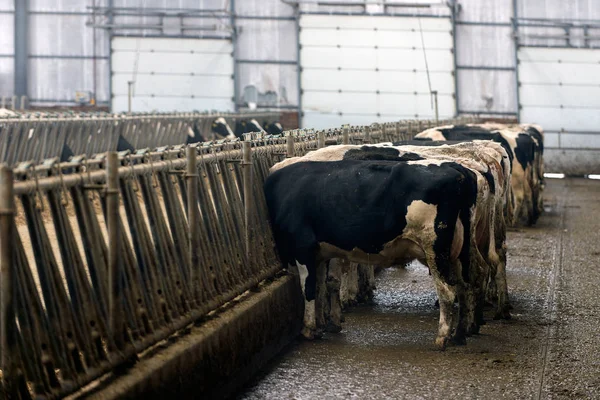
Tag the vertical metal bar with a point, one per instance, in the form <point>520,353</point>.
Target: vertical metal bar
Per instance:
<point>248,200</point>
<point>346,134</point>
<point>114,262</point>
<point>515,24</point>
<point>111,19</point>
<point>7,313</point>
<point>193,217</point>
<point>14,101</point>
<point>23,103</point>
<point>453,8</point>
<point>299,68</point>
<point>234,39</point>
<point>94,57</point>
<point>129,94</point>
<point>21,47</point>
<point>290,146</point>
<point>321,142</point>
<point>435,101</point>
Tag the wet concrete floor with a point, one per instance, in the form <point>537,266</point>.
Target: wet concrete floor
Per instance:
<point>550,349</point>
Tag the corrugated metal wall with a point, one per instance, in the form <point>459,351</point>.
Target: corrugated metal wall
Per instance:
<point>7,40</point>
<point>62,45</point>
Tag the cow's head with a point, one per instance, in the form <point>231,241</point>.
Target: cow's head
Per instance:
<point>221,128</point>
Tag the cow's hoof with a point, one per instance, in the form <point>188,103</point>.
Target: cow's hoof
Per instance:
<point>333,327</point>
<point>442,342</point>
<point>502,315</point>
<point>459,340</point>
<point>311,333</point>
<point>473,329</point>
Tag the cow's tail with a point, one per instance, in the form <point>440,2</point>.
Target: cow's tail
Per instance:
<point>467,205</point>
<point>465,252</point>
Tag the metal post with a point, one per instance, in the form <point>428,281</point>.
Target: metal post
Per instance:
<point>21,43</point>
<point>14,103</point>
<point>515,23</point>
<point>290,146</point>
<point>299,67</point>
<point>114,245</point>
<point>321,141</point>
<point>193,217</point>
<point>248,206</point>
<point>3,102</point>
<point>111,19</point>
<point>7,312</point>
<point>23,102</point>
<point>346,134</point>
<point>234,40</point>
<point>367,135</point>
<point>454,55</point>
<point>129,94</point>
<point>435,103</point>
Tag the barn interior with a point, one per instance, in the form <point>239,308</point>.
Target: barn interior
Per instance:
<point>151,208</point>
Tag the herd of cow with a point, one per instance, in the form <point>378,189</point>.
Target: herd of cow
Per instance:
<point>220,129</point>
<point>444,198</point>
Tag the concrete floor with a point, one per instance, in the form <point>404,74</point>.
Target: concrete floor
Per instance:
<point>550,349</point>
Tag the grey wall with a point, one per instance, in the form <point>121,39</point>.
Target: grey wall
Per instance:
<point>61,46</point>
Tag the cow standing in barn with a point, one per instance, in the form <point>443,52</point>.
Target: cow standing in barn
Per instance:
<point>377,212</point>
<point>522,150</point>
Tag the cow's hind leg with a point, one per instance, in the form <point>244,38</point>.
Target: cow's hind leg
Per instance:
<point>503,310</point>
<point>333,284</point>
<point>308,285</point>
<point>446,298</point>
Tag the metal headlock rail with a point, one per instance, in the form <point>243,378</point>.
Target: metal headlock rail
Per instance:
<point>34,137</point>
<point>102,259</point>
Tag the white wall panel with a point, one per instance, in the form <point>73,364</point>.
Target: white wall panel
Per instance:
<point>64,35</point>
<point>172,74</point>
<point>485,10</point>
<point>559,89</point>
<point>7,34</point>
<point>372,81</point>
<point>371,58</point>
<point>485,46</point>
<point>357,68</point>
<point>280,79</point>
<point>7,76</point>
<point>59,79</point>
<point>483,90</point>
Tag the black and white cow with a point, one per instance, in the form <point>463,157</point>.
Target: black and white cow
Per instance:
<point>273,128</point>
<point>520,147</point>
<point>537,135</point>
<point>490,161</point>
<point>381,212</point>
<point>491,165</point>
<point>246,126</point>
<point>219,129</point>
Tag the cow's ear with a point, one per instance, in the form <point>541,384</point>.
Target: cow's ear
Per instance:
<point>243,123</point>
<point>214,125</point>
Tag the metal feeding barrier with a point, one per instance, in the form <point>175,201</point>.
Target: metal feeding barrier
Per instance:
<point>34,137</point>
<point>100,259</point>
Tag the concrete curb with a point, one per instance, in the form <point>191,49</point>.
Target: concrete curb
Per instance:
<point>215,359</point>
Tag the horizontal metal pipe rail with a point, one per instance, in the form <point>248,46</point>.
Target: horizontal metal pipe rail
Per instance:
<point>34,137</point>
<point>101,261</point>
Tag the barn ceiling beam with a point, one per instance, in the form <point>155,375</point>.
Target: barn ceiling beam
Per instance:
<point>21,46</point>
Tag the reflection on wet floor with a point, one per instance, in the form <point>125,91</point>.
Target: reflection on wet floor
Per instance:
<point>546,350</point>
